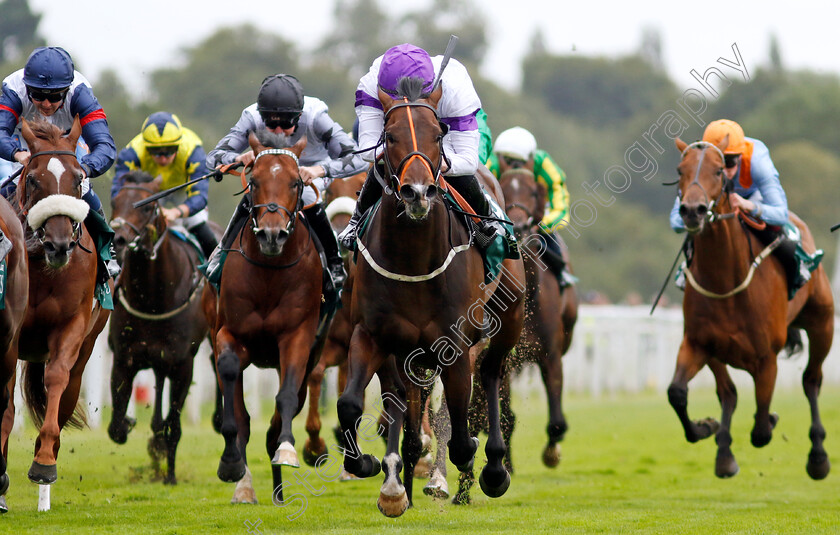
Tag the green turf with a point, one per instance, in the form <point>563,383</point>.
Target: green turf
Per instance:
<point>626,468</point>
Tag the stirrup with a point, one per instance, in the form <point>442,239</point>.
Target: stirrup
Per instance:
<point>347,238</point>
<point>335,269</point>
<point>486,231</point>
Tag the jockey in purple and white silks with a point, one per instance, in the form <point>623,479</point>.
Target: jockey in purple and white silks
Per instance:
<point>457,109</point>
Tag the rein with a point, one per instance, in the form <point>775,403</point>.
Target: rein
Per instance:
<point>39,232</point>
<point>194,293</point>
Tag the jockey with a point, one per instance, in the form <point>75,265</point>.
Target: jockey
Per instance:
<point>517,148</point>
<point>458,109</point>
<point>757,191</point>
<point>48,88</point>
<point>283,114</point>
<point>167,149</point>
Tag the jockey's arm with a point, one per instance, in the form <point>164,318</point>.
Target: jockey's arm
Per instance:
<point>95,131</point>
<point>10,110</point>
<point>558,194</point>
<point>773,206</point>
<point>127,161</point>
<point>196,193</point>
<point>232,145</point>
<point>340,147</point>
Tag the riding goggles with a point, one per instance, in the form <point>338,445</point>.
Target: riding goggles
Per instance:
<point>731,160</point>
<point>162,152</point>
<point>52,95</point>
<point>283,120</point>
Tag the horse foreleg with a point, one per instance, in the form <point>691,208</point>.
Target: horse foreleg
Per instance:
<point>476,421</point>
<point>231,465</point>
<point>7,381</point>
<point>157,442</point>
<point>394,497</point>
<point>442,429</point>
<point>551,369</point>
<point>122,381</point>
<point>314,446</point>
<point>689,362</point>
<point>507,419</point>
<point>818,464</point>
<point>364,360</point>
<point>289,399</point>
<point>725,464</point>
<point>494,479</point>
<point>244,491</point>
<point>765,382</point>
<point>179,387</point>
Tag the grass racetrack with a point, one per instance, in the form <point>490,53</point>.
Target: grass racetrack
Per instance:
<point>626,468</point>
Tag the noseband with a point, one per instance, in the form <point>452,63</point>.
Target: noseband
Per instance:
<point>726,185</point>
<point>272,207</point>
<point>528,212</point>
<point>396,174</point>
<point>40,233</point>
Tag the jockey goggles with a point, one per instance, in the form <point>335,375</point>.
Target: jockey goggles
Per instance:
<point>161,152</point>
<point>283,120</point>
<point>731,160</point>
<point>52,95</point>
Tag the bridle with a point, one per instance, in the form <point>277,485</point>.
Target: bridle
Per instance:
<point>395,175</point>
<point>531,221</point>
<point>726,185</point>
<point>40,233</point>
<point>256,214</point>
<point>136,243</point>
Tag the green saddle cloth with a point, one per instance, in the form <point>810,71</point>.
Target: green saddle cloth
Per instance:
<point>102,235</point>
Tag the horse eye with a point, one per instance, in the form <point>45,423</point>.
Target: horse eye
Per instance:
<point>389,137</point>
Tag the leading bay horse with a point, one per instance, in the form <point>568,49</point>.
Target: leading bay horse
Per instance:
<point>63,318</point>
<point>419,301</point>
<point>737,313</point>
<point>14,278</point>
<point>266,313</point>
<point>158,294</point>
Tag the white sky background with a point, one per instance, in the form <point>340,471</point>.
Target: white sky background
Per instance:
<point>137,37</point>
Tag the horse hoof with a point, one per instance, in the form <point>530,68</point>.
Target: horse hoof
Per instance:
<point>551,455</point>
<point>347,476</point>
<point>231,472</point>
<point>818,465</point>
<point>466,467</point>
<point>310,454</point>
<point>4,483</point>
<point>462,498</point>
<point>392,506</point>
<point>425,444</point>
<point>3,507</point>
<point>285,456</point>
<point>423,467</point>
<point>43,474</point>
<point>726,466</point>
<point>437,487</point>
<point>494,492</point>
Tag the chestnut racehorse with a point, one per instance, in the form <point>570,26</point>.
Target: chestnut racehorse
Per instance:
<point>267,313</point>
<point>418,280</point>
<point>16,296</point>
<point>158,294</point>
<point>63,318</point>
<point>737,313</point>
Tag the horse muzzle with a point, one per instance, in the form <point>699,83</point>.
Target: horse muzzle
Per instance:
<point>270,240</point>
<point>693,216</point>
<point>418,199</point>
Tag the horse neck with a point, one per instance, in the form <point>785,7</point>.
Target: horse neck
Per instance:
<point>722,253</point>
<point>155,278</point>
<point>416,244</point>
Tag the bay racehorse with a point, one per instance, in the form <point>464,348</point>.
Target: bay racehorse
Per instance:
<point>63,318</point>
<point>158,294</point>
<point>266,313</point>
<point>419,301</point>
<point>737,313</point>
<point>14,278</point>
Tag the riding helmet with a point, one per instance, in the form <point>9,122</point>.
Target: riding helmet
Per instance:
<point>49,67</point>
<point>161,129</point>
<point>280,93</point>
<point>404,61</point>
<point>516,143</point>
<point>717,130</point>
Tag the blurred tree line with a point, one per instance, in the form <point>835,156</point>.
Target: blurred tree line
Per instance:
<point>587,112</point>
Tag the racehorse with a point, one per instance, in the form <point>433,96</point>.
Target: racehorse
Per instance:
<point>266,313</point>
<point>418,279</point>
<point>158,294</point>
<point>15,298</point>
<point>737,313</point>
<point>63,318</point>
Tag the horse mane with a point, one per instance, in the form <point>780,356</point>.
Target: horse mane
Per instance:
<point>137,177</point>
<point>411,87</point>
<point>271,140</point>
<point>46,131</point>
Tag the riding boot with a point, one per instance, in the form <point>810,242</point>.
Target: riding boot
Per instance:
<point>796,272</point>
<point>553,256</point>
<point>237,221</point>
<point>320,224</point>
<point>371,190</point>
<point>470,189</point>
<point>205,237</point>
<point>112,267</point>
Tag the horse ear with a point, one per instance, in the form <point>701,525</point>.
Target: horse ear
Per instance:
<point>256,146</point>
<point>386,100</point>
<point>28,136</point>
<point>75,131</point>
<point>298,147</point>
<point>723,143</point>
<point>434,98</point>
<point>681,145</point>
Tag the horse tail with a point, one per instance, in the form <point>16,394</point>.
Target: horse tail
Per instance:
<point>793,344</point>
<point>35,397</point>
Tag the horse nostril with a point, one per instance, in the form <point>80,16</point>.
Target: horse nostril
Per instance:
<point>49,247</point>
<point>408,193</point>
<point>431,192</point>
<point>701,209</point>
<point>71,246</point>
<point>119,241</point>
<point>683,210</point>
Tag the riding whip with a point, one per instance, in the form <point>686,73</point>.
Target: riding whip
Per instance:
<point>450,48</point>
<point>216,174</point>
<point>670,272</point>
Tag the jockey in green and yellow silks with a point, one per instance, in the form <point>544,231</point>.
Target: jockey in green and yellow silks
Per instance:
<point>517,148</point>
<point>167,149</point>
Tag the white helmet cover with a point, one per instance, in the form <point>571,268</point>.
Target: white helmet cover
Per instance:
<point>516,143</point>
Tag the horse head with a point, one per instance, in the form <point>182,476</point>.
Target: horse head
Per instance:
<point>137,229</point>
<point>702,183</point>
<point>525,199</point>
<point>413,138</point>
<point>276,193</point>
<point>50,189</point>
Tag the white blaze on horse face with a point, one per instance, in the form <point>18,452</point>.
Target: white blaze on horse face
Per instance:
<point>276,168</point>
<point>57,169</point>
